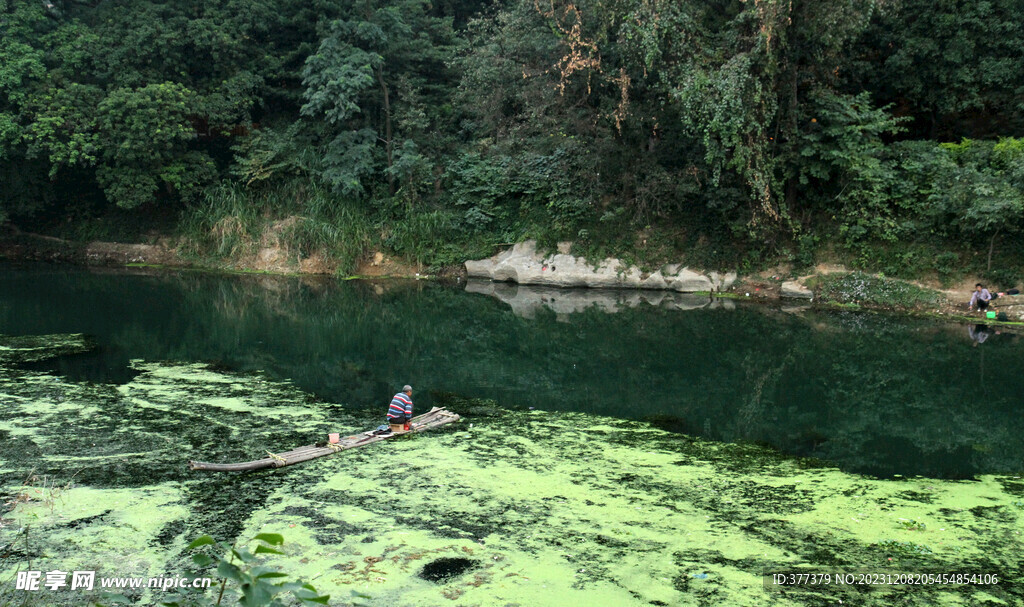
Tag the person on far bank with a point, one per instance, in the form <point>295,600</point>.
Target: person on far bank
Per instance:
<point>981,297</point>
<point>400,411</point>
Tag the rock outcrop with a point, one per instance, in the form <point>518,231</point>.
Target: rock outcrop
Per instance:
<point>524,265</point>
<point>792,289</point>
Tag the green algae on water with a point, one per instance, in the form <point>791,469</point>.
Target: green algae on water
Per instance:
<point>95,477</point>
<point>535,507</point>
<point>34,348</point>
<point>581,510</point>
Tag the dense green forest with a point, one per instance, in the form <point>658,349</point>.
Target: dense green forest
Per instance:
<point>882,132</point>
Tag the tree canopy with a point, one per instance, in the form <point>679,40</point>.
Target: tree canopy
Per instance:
<point>775,122</point>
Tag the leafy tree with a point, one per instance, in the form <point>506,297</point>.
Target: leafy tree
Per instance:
<point>366,79</point>
<point>769,123</point>
<point>144,133</point>
<point>955,67</point>
<point>22,66</point>
<point>982,196</point>
<point>143,96</point>
<point>842,154</point>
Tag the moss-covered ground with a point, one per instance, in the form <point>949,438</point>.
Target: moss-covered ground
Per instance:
<point>504,508</point>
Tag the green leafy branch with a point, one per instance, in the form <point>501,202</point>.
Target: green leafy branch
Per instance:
<point>260,586</point>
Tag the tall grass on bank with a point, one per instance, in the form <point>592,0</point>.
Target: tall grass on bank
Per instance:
<point>227,221</point>
<point>299,218</point>
<point>430,238</point>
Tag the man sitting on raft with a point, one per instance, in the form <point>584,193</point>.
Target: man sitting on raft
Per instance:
<point>400,411</point>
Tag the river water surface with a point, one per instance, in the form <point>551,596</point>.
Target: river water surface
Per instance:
<point>660,453</point>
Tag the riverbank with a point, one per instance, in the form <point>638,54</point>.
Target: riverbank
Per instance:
<point>171,253</point>
<point>827,284</point>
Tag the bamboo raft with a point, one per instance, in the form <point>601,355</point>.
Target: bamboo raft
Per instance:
<point>436,417</point>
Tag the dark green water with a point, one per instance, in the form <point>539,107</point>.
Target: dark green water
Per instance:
<point>871,393</point>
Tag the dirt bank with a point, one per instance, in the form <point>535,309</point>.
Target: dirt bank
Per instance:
<point>272,258</point>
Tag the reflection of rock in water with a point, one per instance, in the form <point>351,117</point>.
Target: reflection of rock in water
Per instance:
<point>795,309</point>
<point>526,300</point>
<point>443,570</point>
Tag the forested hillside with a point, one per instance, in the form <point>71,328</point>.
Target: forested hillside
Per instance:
<point>731,132</point>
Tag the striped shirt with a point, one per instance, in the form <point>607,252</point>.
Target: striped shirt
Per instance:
<point>400,410</point>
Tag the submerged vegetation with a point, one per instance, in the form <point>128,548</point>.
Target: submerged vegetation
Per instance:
<point>885,134</point>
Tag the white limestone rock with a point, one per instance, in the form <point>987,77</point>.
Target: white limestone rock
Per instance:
<point>792,289</point>
<point>523,264</point>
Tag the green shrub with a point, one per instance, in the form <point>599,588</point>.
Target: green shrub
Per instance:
<point>946,264</point>
<point>865,289</point>
<point>242,578</point>
<point>257,585</point>
<point>1003,278</point>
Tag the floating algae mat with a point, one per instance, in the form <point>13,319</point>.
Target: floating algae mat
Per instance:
<point>557,510</point>
<point>35,348</point>
<point>515,508</point>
